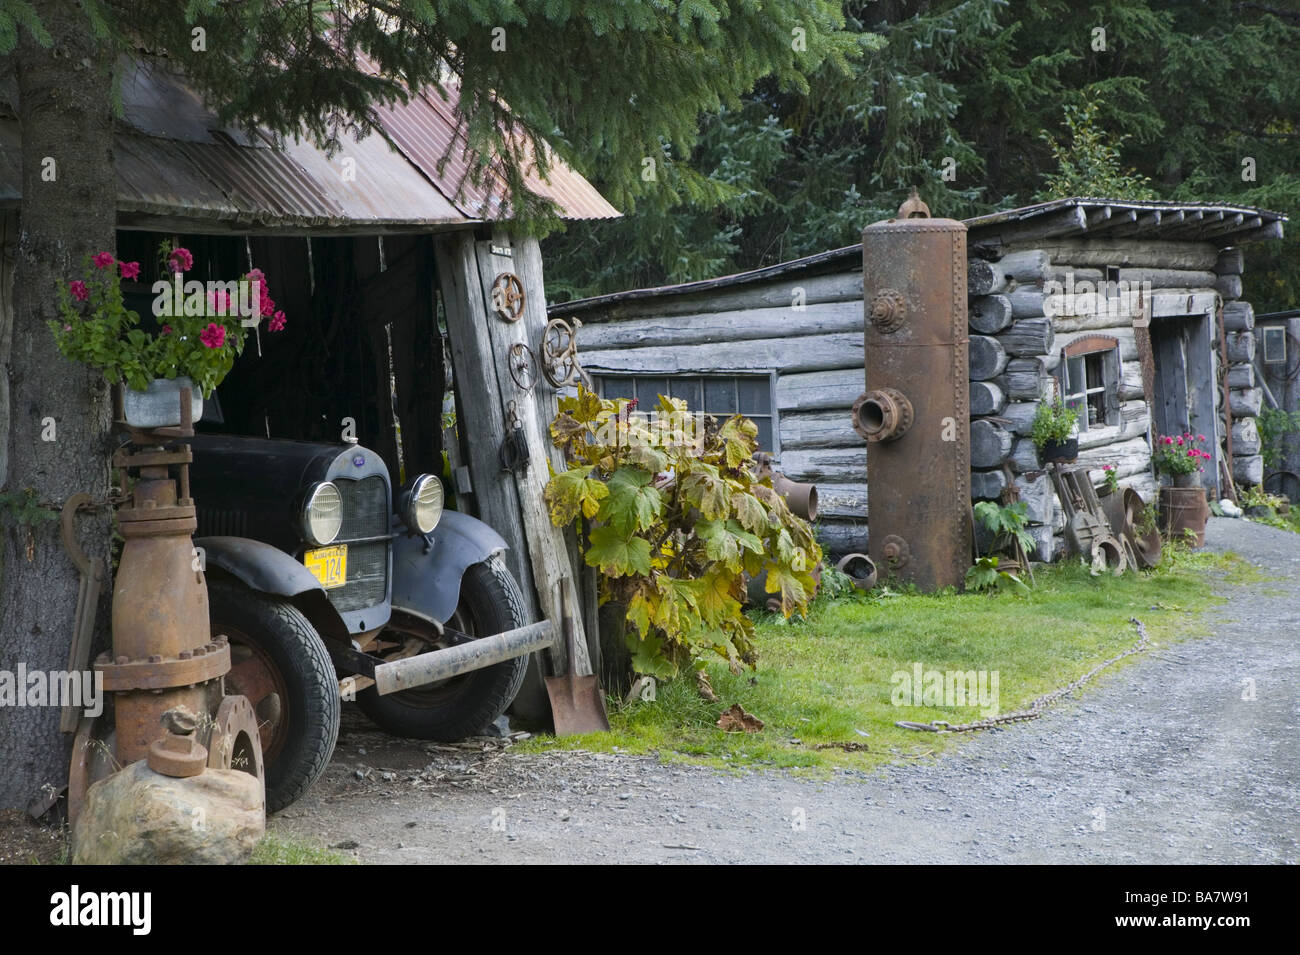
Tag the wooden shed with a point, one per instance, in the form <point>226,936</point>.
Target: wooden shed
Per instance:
<point>1129,311</point>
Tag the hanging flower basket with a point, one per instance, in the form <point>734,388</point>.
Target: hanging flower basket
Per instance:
<point>159,405</point>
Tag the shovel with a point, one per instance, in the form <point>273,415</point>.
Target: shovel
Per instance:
<point>577,703</point>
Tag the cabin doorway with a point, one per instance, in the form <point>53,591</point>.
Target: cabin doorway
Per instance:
<point>1185,396</point>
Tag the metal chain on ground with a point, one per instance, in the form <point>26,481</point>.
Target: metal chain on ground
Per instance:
<point>1039,705</point>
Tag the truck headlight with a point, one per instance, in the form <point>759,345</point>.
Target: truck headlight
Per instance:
<point>421,503</point>
<point>322,513</point>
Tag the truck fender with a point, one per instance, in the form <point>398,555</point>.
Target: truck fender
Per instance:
<point>269,570</point>
<point>426,579</point>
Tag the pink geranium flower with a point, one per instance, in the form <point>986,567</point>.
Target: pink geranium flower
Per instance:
<point>214,336</point>
<point>166,329</point>
<point>130,270</point>
<point>78,290</point>
<point>102,260</point>
<point>180,260</point>
<point>276,323</point>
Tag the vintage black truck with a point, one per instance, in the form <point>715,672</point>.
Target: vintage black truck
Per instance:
<point>331,585</point>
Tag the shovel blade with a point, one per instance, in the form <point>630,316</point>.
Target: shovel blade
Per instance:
<point>577,705</point>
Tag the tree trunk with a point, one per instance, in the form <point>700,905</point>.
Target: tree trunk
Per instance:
<point>68,210</point>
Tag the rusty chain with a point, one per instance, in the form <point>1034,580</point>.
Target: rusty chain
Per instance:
<point>1039,705</point>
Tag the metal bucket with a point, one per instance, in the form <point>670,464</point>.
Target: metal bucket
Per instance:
<point>159,405</point>
<point>1184,509</point>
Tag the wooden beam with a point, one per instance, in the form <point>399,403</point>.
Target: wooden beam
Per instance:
<point>1117,220</point>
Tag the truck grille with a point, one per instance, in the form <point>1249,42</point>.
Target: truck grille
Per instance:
<point>214,522</point>
<point>365,515</point>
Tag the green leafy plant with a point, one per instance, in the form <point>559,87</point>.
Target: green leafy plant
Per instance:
<point>201,331</point>
<point>1006,522</point>
<point>1110,479</point>
<point>1090,164</point>
<point>985,575</point>
<point>674,516</point>
<point>1148,519</point>
<point>1274,426</point>
<point>24,507</point>
<point>1053,423</point>
<point>1257,497</point>
<point>1179,454</point>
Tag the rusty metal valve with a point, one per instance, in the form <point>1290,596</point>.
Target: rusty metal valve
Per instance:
<point>882,415</point>
<point>178,756</point>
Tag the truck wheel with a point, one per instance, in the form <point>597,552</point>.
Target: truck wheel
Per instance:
<point>449,710</point>
<point>279,662</point>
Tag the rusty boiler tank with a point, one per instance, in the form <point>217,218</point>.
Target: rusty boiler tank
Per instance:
<point>915,413</point>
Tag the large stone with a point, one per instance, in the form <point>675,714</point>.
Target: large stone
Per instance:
<point>139,817</point>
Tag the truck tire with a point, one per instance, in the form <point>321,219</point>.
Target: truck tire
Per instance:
<point>275,649</point>
<point>449,710</point>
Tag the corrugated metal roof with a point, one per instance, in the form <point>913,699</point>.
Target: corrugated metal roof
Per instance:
<point>1077,217</point>
<point>174,161</point>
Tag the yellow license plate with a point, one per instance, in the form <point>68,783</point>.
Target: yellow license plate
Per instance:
<point>329,565</point>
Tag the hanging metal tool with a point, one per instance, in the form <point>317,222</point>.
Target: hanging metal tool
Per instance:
<point>560,354</point>
<point>508,297</point>
<point>522,366</point>
<point>514,448</point>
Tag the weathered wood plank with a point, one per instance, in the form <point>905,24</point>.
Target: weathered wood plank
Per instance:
<point>820,429</point>
<point>828,465</point>
<point>1241,377</point>
<point>1246,404</point>
<point>716,327</point>
<point>986,398</point>
<point>989,314</point>
<point>1238,316</point>
<point>841,502</point>
<point>1130,380</point>
<point>1023,379</point>
<point>815,353</point>
<point>1027,265</point>
<point>1248,469</point>
<point>1230,262</point>
<point>1229,286</point>
<point>839,538</point>
<point>987,358</point>
<point>1241,346</point>
<point>1030,233</point>
<point>8,234</point>
<point>1020,415</point>
<point>820,390</point>
<point>1024,456</point>
<point>1026,301</point>
<point>990,444</point>
<point>1028,337</point>
<point>1132,456</point>
<point>987,485</point>
<point>1132,253</point>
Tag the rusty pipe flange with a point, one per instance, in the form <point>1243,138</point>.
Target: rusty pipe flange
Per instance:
<point>888,309</point>
<point>896,551</point>
<point>177,756</point>
<point>158,673</point>
<point>235,740</point>
<point>882,415</point>
<point>860,569</point>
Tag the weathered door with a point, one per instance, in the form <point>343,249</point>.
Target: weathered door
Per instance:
<point>1186,388</point>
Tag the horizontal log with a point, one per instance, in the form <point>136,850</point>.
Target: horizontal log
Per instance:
<point>842,502</point>
<point>1026,301</point>
<point>784,293</point>
<point>1241,346</point>
<point>1028,337</point>
<point>1247,403</point>
<point>1031,233</point>
<point>989,314</point>
<point>1023,379</point>
<point>1245,437</point>
<point>986,398</point>
<point>1130,381</point>
<point>1230,262</point>
<point>1169,278</point>
<point>1026,266</point>
<point>719,327</point>
<point>1133,420</point>
<point>1144,484</point>
<point>1123,335</point>
<point>1135,253</point>
<point>1047,545</point>
<point>839,538</point>
<point>814,353</point>
<point>1019,416</point>
<point>987,358</point>
<point>1229,286</point>
<point>1080,310</point>
<point>984,278</point>
<point>986,485</point>
<point>1241,376</point>
<point>1132,456</point>
<point>820,390</point>
<point>1248,469</point>
<point>1039,499</point>
<point>825,465</point>
<point>820,429</point>
<point>1024,456</point>
<point>990,444</point>
<point>1238,316</point>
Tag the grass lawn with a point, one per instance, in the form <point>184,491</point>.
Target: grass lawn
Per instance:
<point>827,680</point>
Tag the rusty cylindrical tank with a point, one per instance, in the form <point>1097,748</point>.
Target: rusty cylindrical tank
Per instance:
<point>163,655</point>
<point>915,414</point>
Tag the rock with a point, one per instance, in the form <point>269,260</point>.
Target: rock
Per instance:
<point>139,817</point>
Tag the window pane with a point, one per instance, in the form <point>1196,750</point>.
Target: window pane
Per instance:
<point>764,433</point>
<point>648,391</point>
<point>1074,377</point>
<point>617,388</point>
<point>720,395</point>
<point>688,389</point>
<point>755,395</point>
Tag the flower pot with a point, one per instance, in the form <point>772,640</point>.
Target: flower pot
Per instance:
<point>1184,509</point>
<point>1062,452</point>
<point>1191,479</point>
<point>159,405</point>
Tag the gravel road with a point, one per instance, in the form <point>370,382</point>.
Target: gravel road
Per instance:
<point>1164,762</point>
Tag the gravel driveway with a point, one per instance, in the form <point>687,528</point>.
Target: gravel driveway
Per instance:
<point>1164,762</point>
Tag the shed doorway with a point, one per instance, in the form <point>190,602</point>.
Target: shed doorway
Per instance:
<point>1185,397</point>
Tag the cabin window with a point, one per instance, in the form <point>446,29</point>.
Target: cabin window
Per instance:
<point>1089,383</point>
<point>720,396</point>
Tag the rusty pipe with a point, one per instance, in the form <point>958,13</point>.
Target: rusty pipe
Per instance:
<point>859,568</point>
<point>883,415</point>
<point>801,498</point>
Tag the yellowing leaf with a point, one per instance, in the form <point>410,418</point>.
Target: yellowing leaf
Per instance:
<point>572,492</point>
<point>750,512</point>
<point>740,440</point>
<point>616,555</point>
<point>707,492</point>
<point>632,504</point>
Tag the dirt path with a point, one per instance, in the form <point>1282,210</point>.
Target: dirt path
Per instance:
<point>1163,763</point>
